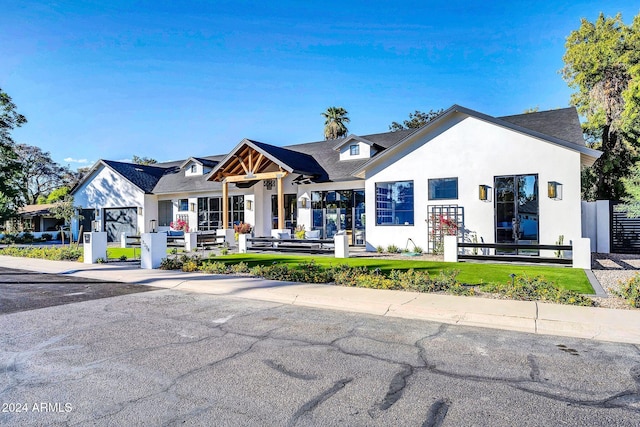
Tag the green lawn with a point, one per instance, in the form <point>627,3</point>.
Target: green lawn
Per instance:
<point>470,273</point>
<point>130,253</point>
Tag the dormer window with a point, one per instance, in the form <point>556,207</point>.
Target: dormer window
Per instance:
<point>354,150</point>
<point>194,168</point>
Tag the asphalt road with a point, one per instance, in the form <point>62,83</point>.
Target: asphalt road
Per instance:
<point>173,358</point>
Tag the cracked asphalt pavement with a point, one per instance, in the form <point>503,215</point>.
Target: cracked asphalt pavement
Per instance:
<point>169,358</point>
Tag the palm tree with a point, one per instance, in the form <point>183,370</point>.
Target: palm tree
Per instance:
<point>334,124</point>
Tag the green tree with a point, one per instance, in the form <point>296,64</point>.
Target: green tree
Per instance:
<point>334,124</point>
<point>41,174</point>
<point>143,160</point>
<point>64,209</point>
<point>10,168</point>
<point>603,68</point>
<point>416,120</point>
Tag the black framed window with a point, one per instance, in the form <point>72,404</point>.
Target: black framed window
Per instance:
<point>394,203</point>
<point>183,205</point>
<point>443,188</point>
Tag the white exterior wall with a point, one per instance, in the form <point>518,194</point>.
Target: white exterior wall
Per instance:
<point>475,152</point>
<point>108,189</point>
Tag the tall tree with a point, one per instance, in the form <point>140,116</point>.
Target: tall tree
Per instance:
<point>143,160</point>
<point>416,120</point>
<point>10,170</point>
<point>601,66</point>
<point>40,173</point>
<point>334,123</point>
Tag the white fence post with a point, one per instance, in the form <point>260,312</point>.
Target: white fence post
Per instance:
<point>581,253</point>
<point>451,248</point>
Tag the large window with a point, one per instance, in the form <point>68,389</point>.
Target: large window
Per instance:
<point>394,203</point>
<point>290,211</point>
<point>443,188</point>
<point>210,212</point>
<point>165,213</point>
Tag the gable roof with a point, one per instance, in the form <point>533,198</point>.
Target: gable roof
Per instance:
<point>145,177</point>
<point>585,151</point>
<point>289,160</point>
<point>200,160</point>
<point>562,123</point>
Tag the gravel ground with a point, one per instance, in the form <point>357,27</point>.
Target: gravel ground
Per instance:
<point>612,270</point>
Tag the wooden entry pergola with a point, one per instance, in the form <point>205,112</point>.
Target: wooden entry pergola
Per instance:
<point>248,162</point>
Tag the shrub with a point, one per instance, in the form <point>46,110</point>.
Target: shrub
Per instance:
<point>101,261</point>
<point>123,258</point>
<point>393,249</point>
<point>418,250</point>
<point>379,249</point>
<point>630,291</point>
<point>170,263</point>
<point>65,253</point>
<point>214,267</point>
<point>537,289</point>
<point>240,267</point>
<point>190,265</point>
<point>47,237</point>
<point>224,251</point>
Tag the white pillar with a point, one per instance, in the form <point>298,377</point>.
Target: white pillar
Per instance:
<point>123,240</point>
<point>243,244</point>
<point>227,236</point>
<point>603,226</point>
<point>153,247</point>
<point>190,241</point>
<point>582,253</point>
<point>95,246</point>
<point>450,248</point>
<point>341,244</point>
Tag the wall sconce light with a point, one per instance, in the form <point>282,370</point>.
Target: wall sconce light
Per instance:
<point>152,226</point>
<point>554,190</point>
<point>96,213</point>
<point>139,210</point>
<point>192,207</point>
<point>483,193</point>
<point>303,203</point>
<point>250,205</point>
<point>95,226</point>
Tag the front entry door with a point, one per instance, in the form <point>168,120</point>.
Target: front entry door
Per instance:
<point>516,211</point>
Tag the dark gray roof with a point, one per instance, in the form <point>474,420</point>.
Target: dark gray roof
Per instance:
<point>175,181</point>
<point>321,160</point>
<point>329,159</point>
<point>300,162</point>
<point>145,177</point>
<point>562,123</point>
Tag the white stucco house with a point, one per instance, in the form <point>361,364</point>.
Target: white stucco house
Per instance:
<point>492,180</point>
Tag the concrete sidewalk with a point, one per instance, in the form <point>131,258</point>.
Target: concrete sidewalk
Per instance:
<point>524,316</point>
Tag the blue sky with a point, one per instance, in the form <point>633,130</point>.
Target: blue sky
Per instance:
<point>168,79</point>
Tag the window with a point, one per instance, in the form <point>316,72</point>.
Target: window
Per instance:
<point>194,168</point>
<point>354,150</point>
<point>443,188</point>
<point>183,205</point>
<point>165,213</point>
<point>210,212</point>
<point>394,203</point>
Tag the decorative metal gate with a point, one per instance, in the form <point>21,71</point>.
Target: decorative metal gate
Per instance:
<point>443,220</point>
<point>625,232</point>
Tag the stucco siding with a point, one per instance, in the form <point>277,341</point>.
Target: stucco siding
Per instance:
<point>475,152</point>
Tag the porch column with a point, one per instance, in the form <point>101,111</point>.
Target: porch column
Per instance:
<point>280,203</point>
<point>225,205</point>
